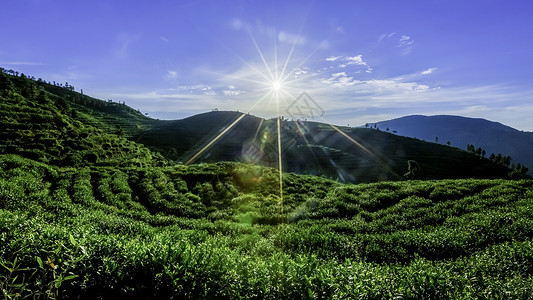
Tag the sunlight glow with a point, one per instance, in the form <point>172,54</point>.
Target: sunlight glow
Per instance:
<point>276,81</point>
<point>276,85</point>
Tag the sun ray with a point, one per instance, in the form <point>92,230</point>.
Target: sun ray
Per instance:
<point>262,56</point>
<point>215,139</point>
<point>300,132</point>
<point>377,159</point>
<point>289,56</point>
<point>280,167</point>
<point>257,71</point>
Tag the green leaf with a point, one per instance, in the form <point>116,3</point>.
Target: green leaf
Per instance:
<point>69,277</point>
<point>72,240</point>
<point>10,270</point>
<point>40,262</point>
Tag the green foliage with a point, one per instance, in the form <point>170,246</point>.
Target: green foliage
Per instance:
<point>205,232</point>
<point>87,213</point>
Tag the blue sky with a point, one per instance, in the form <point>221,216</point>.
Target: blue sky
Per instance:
<point>360,61</point>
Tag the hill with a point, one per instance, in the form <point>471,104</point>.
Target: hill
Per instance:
<point>220,231</point>
<point>491,136</point>
<point>346,154</point>
<point>54,124</point>
<point>86,212</point>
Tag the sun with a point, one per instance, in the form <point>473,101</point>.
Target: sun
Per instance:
<point>277,85</point>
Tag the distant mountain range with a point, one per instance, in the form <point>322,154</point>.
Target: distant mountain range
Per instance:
<point>347,154</point>
<point>459,131</point>
<point>53,124</point>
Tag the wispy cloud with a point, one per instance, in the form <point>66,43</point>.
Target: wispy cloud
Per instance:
<point>20,63</point>
<point>293,39</point>
<point>233,92</point>
<point>333,58</point>
<point>124,41</point>
<point>386,36</point>
<point>406,43</point>
<point>171,75</point>
<point>345,61</point>
<point>428,71</point>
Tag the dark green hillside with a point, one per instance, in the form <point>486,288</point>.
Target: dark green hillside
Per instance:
<point>314,148</point>
<point>182,139</point>
<point>57,125</point>
<point>491,137</point>
<point>67,128</point>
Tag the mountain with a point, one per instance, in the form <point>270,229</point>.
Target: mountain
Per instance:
<point>56,125</point>
<point>89,209</point>
<point>346,154</point>
<point>491,136</point>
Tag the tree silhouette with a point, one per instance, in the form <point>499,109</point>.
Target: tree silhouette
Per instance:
<point>413,167</point>
<point>5,84</point>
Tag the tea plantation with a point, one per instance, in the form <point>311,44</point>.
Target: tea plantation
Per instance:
<point>88,213</point>
<point>217,231</point>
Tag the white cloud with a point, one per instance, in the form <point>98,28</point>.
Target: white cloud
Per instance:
<point>294,39</point>
<point>300,71</point>
<point>333,58</point>
<point>20,63</point>
<point>232,92</point>
<point>405,41</point>
<point>171,75</point>
<point>428,71</point>
<point>357,60</point>
<point>386,36</point>
<point>164,39</point>
<point>350,60</point>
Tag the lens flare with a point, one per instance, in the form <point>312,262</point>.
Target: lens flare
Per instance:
<point>277,86</point>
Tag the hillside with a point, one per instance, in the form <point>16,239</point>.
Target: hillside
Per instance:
<point>314,148</point>
<point>86,212</point>
<point>493,137</point>
<point>57,125</point>
<point>219,231</point>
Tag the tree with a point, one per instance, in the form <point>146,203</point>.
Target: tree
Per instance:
<point>506,161</point>
<point>436,139</point>
<point>5,84</point>
<point>448,143</point>
<point>413,167</point>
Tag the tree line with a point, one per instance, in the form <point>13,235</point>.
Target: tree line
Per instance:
<point>504,160</point>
